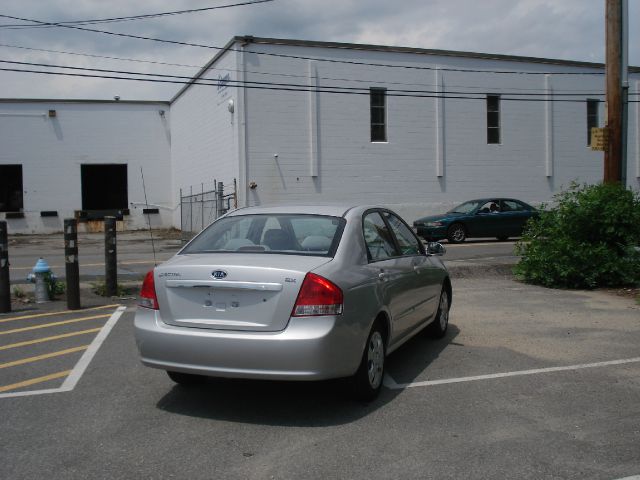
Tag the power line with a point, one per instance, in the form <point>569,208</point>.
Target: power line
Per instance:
<point>297,57</point>
<point>91,55</point>
<point>295,85</point>
<point>96,21</point>
<point>296,89</point>
<point>257,72</point>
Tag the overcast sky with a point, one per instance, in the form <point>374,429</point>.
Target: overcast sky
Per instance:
<point>564,29</point>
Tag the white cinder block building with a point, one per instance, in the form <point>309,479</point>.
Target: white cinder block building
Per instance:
<point>306,122</point>
<point>61,159</point>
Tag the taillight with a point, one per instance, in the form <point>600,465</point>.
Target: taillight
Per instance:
<point>318,296</point>
<point>148,297</point>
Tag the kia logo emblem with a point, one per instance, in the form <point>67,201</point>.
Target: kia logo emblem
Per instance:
<point>219,274</point>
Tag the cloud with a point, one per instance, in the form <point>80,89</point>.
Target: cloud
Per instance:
<point>571,29</point>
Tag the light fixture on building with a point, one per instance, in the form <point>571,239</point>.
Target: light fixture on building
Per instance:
<point>231,106</point>
<point>116,98</point>
<point>161,113</point>
<point>52,113</point>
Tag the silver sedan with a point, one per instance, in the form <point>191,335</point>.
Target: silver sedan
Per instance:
<point>293,293</point>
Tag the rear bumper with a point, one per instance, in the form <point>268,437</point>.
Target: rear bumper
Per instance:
<point>311,348</point>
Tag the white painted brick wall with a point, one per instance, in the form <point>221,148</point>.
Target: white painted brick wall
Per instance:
<point>203,134</point>
<point>403,171</point>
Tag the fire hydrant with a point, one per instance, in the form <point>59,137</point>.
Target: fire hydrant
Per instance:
<point>41,275</point>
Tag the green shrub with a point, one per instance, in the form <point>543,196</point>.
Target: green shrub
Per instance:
<point>54,286</point>
<point>587,240</point>
<point>100,288</point>
<point>18,292</point>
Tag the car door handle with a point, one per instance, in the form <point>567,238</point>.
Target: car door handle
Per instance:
<point>382,276</point>
<point>416,269</point>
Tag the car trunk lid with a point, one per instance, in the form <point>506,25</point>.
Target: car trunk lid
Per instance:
<point>226,291</point>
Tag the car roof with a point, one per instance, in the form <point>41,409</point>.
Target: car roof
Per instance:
<point>489,199</point>
<point>335,210</point>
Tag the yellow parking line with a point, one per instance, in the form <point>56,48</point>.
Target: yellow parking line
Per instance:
<point>33,381</point>
<point>38,315</point>
<point>22,361</point>
<point>48,339</point>
<point>54,324</point>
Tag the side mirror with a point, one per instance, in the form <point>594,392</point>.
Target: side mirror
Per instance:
<point>436,248</point>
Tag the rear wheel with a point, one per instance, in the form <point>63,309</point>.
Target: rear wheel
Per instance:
<point>367,382</point>
<point>438,328</point>
<point>185,379</point>
<point>456,233</point>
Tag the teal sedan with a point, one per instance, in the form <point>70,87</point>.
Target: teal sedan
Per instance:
<point>486,217</point>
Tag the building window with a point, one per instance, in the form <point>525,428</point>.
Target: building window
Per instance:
<point>378,115</point>
<point>493,118</point>
<point>593,117</point>
<point>11,188</point>
<point>104,187</point>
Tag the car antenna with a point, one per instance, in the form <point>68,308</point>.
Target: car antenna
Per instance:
<point>153,246</point>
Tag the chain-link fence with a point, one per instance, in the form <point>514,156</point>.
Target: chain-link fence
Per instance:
<point>199,209</point>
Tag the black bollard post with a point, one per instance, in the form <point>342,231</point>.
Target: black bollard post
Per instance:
<point>110,257</point>
<point>5,290</point>
<point>72,268</point>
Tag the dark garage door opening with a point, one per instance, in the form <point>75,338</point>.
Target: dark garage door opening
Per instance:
<point>10,188</point>
<point>104,187</point>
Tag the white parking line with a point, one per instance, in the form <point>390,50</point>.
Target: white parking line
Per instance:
<point>71,381</point>
<point>73,378</point>
<point>393,385</point>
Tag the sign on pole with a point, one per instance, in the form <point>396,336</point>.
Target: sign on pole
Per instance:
<point>599,139</point>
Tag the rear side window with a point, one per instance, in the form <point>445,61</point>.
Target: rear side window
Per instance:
<point>513,206</point>
<point>314,235</point>
<point>378,238</point>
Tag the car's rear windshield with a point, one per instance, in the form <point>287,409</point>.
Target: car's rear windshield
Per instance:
<point>293,234</point>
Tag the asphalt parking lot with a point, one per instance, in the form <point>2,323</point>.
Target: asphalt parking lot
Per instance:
<point>529,383</point>
<point>39,352</point>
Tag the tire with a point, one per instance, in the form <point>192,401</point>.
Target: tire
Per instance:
<point>456,233</point>
<point>367,382</point>
<point>438,328</point>
<point>186,379</point>
<point>502,238</point>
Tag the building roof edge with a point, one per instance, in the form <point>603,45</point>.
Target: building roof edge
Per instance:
<point>248,39</point>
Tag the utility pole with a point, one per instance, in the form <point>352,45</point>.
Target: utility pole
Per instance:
<point>615,76</point>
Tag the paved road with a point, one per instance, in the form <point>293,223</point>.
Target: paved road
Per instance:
<point>479,249</point>
<point>529,383</point>
<point>136,255</point>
